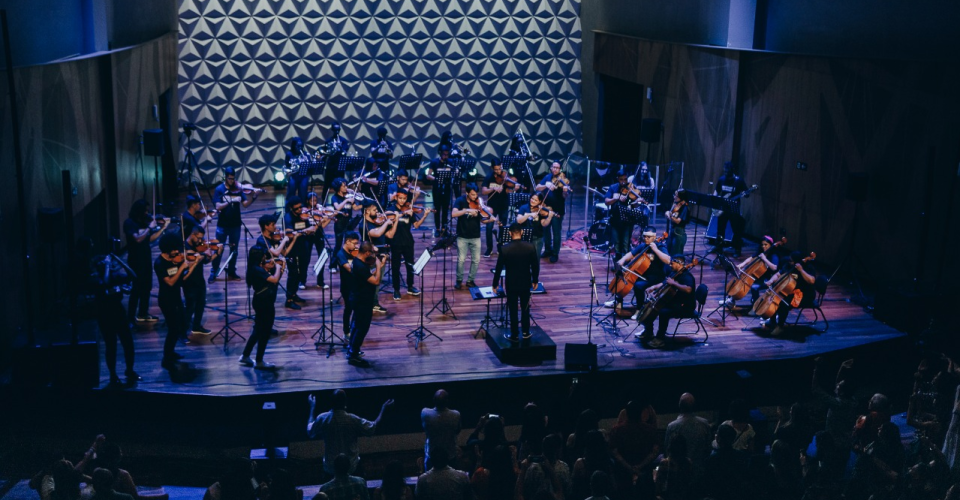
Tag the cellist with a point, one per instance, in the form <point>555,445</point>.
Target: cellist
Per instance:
<point>653,275</point>
<point>770,259</point>
<point>680,305</point>
<point>805,275</point>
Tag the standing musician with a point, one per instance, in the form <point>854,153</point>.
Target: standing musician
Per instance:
<point>345,257</point>
<point>677,218</point>
<point>536,217</point>
<point>380,148</point>
<point>805,275</point>
<point>557,187</point>
<point>728,186</point>
<point>497,186</point>
<point>469,212</point>
<point>172,268</point>
<point>401,245</point>
<point>229,197</point>
<point>194,287</point>
<point>678,306</point>
<point>194,216</point>
<point>403,182</point>
<point>652,276</point>
<point>457,151</point>
<point>335,147</point>
<point>296,224</point>
<point>344,202</point>
<point>366,270</point>
<point>376,228</point>
<point>297,184</point>
<point>263,276</point>
<point>277,244</point>
<point>619,195</point>
<point>317,217</point>
<point>770,259</point>
<point>370,180</point>
<point>441,190</point>
<point>141,229</point>
<point>522,265</point>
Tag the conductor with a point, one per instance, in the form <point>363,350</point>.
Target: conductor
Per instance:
<point>522,264</point>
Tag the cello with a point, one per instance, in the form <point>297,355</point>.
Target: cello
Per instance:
<point>749,272</point>
<point>624,281</point>
<point>785,288</point>
<point>661,295</point>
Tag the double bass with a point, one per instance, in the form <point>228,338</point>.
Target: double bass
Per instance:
<point>662,294</point>
<point>624,281</point>
<point>785,288</point>
<point>750,271</point>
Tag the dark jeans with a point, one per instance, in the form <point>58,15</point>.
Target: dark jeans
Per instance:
<point>737,223</point>
<point>195,297</point>
<point>139,303</point>
<point>783,310</point>
<point>678,240</point>
<point>227,236</point>
<point>114,327</point>
<point>441,202</point>
<point>521,297</point>
<point>396,253</point>
<point>347,306</point>
<point>494,234</point>
<point>664,317</point>
<point>551,236</point>
<point>264,315</point>
<point>362,317</point>
<point>294,272</point>
<point>621,233</point>
<point>297,185</point>
<point>173,314</point>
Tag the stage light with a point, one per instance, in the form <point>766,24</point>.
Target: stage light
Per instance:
<point>279,177</point>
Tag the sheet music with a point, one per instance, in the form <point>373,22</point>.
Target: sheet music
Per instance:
<point>422,262</point>
<point>318,267</point>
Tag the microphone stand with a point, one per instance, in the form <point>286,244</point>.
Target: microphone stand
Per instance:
<point>594,298</point>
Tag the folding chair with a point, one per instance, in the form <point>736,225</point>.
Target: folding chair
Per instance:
<point>700,294</point>
<point>821,288</point>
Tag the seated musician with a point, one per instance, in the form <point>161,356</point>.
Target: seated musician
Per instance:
<point>679,305</point>
<point>805,275</point>
<point>771,260</point>
<point>652,276</point>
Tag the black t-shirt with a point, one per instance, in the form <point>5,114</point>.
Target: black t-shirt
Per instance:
<point>343,215</point>
<point>612,192</point>
<point>297,224</point>
<point>164,269</point>
<point>468,226</point>
<point>730,185</point>
<point>657,270</point>
<point>230,215</point>
<point>271,244</point>
<point>196,278</point>
<point>436,166</point>
<point>533,222</point>
<point>379,152</point>
<point>403,237</point>
<point>365,227</point>
<point>684,300</point>
<point>189,222</point>
<point>497,201</point>
<point>346,279</point>
<point>808,289</point>
<point>138,253</point>
<point>555,199</point>
<point>264,292</point>
<point>370,190</point>
<point>362,291</point>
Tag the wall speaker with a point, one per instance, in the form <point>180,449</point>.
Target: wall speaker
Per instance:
<point>580,357</point>
<point>153,142</point>
<point>857,184</point>
<point>650,129</point>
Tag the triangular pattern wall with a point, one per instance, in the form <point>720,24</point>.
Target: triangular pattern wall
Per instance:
<point>254,73</point>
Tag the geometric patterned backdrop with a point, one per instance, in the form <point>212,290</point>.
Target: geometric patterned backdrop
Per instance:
<point>255,73</point>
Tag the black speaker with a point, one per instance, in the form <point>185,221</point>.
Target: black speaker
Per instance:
<point>50,223</point>
<point>857,184</point>
<point>62,365</point>
<point>650,130</point>
<point>580,357</point>
<point>153,142</point>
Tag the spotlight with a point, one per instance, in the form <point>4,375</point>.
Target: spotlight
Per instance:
<point>279,177</point>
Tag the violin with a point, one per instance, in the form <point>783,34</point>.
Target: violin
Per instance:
<point>632,195</point>
<point>662,294</point>
<point>505,180</point>
<point>413,209</point>
<point>750,271</point>
<point>207,245</point>
<point>317,214</point>
<point>785,288</point>
<point>245,189</point>
<point>626,278</point>
<point>482,210</point>
<point>383,217</point>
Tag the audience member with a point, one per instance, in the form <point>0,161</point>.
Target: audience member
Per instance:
<point>496,478</point>
<point>343,486</point>
<point>634,445</point>
<point>673,477</point>
<point>442,426</point>
<point>841,406</point>
<point>236,482</point>
<point>552,448</point>
<point>103,481</point>
<point>598,486</point>
<point>951,443</point>
<point>795,431</point>
<point>740,422</point>
<point>586,422</point>
<point>393,486</point>
<point>442,482</point>
<point>536,474</point>
<point>879,467</point>
<point>340,430</point>
<point>725,470</point>
<point>532,430</point>
<point>282,487</point>
<point>596,457</point>
<point>109,458</point>
<point>867,428</point>
<point>493,436</point>
<point>696,433</point>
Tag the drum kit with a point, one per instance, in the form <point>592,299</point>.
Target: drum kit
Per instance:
<point>600,232</point>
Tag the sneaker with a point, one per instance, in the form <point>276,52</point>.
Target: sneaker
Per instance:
<point>640,332</point>
<point>765,323</point>
<point>212,279</point>
<point>234,277</point>
<point>610,304</point>
<point>554,259</point>
<point>200,330</point>
<point>412,290</point>
<point>777,331</point>
<point>176,356</point>
<point>511,338</point>
<point>334,270</point>
<point>246,361</point>
<point>728,301</point>
<point>133,376</point>
<point>471,284</point>
<point>264,365</point>
<point>302,286</point>
<point>323,286</point>
<point>458,286</point>
<point>527,335</point>
<point>635,317</point>
<point>357,361</point>
<point>396,295</point>
<point>657,343</point>
<point>168,363</point>
<point>299,300</point>
<point>115,380</point>
<point>544,255</point>
<point>292,305</point>
<point>488,253</point>
<point>147,319</point>
<point>379,309</point>
<point>274,332</point>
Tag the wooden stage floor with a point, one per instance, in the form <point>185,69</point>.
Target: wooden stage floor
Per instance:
<point>563,313</point>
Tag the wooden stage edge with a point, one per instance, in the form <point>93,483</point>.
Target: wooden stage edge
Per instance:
<point>563,312</point>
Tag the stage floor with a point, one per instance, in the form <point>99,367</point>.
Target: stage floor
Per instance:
<point>563,313</point>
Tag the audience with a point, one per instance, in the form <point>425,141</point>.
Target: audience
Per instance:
<point>393,486</point>
<point>598,486</point>
<point>596,457</point>
<point>103,481</point>
<point>496,478</point>
<point>441,425</point>
<point>236,482</point>
<point>552,447</point>
<point>695,431</point>
<point>674,477</point>
<point>109,458</point>
<point>340,430</point>
<point>576,441</point>
<point>725,471</point>
<point>442,482</point>
<point>343,486</point>
<point>635,445</point>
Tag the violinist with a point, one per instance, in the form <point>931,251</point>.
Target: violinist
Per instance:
<point>370,180</point>
<point>171,268</point>
<point>535,216</point>
<point>345,204</point>
<point>680,305</point>
<point>403,182</point>
<point>277,244</point>
<point>141,229</point>
<point>366,272</point>
<point>263,276</point>
<point>497,186</point>
<point>296,224</point>
<point>296,183</point>
<point>468,210</point>
<point>194,287</point>
<point>401,245</point>
<point>653,275</point>
<point>771,260</point>
<point>618,194</point>
<point>677,218</point>
<point>336,147</point>
<point>380,148</point>
<point>194,216</point>
<point>377,228</point>
<point>229,198</point>
<point>557,187</point>
<point>316,216</point>
<point>457,151</point>
<point>728,186</point>
<point>441,190</point>
<point>345,257</point>
<point>805,275</point>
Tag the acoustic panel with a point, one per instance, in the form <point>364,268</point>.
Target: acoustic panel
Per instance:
<point>253,74</point>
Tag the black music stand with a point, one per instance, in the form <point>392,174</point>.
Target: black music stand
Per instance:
<point>723,307</point>
<point>442,305</point>
<point>622,212</point>
<point>518,200</point>
<point>487,293</point>
<point>406,163</point>
<point>227,330</point>
<point>348,163</point>
<point>443,177</point>
<point>420,333</point>
<point>324,330</point>
<point>504,235</point>
<point>518,164</point>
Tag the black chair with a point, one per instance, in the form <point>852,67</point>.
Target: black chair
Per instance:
<point>700,294</point>
<point>821,288</point>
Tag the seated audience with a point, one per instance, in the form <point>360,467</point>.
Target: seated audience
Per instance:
<point>103,481</point>
<point>442,482</point>
<point>393,487</point>
<point>343,486</point>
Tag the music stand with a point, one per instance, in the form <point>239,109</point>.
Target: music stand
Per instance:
<point>420,333</point>
<point>350,163</point>
<point>227,329</point>
<point>622,212</point>
<point>723,307</point>
<point>407,163</point>
<point>443,177</point>
<point>517,200</point>
<point>504,236</point>
<point>518,164</point>
<point>323,330</point>
<point>486,293</point>
<point>442,305</point>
